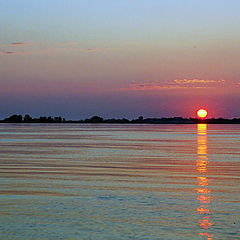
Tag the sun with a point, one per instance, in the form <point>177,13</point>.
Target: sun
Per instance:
<point>202,113</point>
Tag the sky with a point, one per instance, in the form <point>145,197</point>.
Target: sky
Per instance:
<point>154,58</point>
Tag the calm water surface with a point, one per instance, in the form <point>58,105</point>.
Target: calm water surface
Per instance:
<point>167,182</point>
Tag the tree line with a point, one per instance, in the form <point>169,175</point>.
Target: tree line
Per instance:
<point>96,119</point>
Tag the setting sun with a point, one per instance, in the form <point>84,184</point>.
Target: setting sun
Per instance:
<point>202,113</point>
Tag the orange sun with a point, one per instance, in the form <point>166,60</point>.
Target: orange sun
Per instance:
<point>202,113</point>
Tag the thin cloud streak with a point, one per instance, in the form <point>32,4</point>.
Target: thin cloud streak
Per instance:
<point>7,52</point>
<point>188,81</point>
<point>19,43</point>
<point>156,86</point>
<point>16,44</point>
<point>60,49</point>
<point>177,84</point>
<point>10,52</point>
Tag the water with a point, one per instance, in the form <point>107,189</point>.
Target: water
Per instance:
<point>119,181</point>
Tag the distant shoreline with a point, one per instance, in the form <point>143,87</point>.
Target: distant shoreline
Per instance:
<point>140,120</point>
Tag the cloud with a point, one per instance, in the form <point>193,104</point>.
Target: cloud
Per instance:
<point>191,81</point>
<point>147,86</point>
<point>7,52</point>
<point>60,49</point>
<point>18,43</point>
<point>176,84</point>
<point>15,44</point>
<point>10,52</point>
<point>7,48</point>
<point>43,50</point>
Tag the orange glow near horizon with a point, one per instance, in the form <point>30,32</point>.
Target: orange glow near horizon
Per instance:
<point>202,113</point>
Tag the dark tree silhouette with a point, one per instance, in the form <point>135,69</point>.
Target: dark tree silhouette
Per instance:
<point>27,118</point>
<point>96,119</point>
<point>14,119</point>
<point>50,119</point>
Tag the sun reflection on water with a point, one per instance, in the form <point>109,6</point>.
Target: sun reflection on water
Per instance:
<point>203,192</point>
